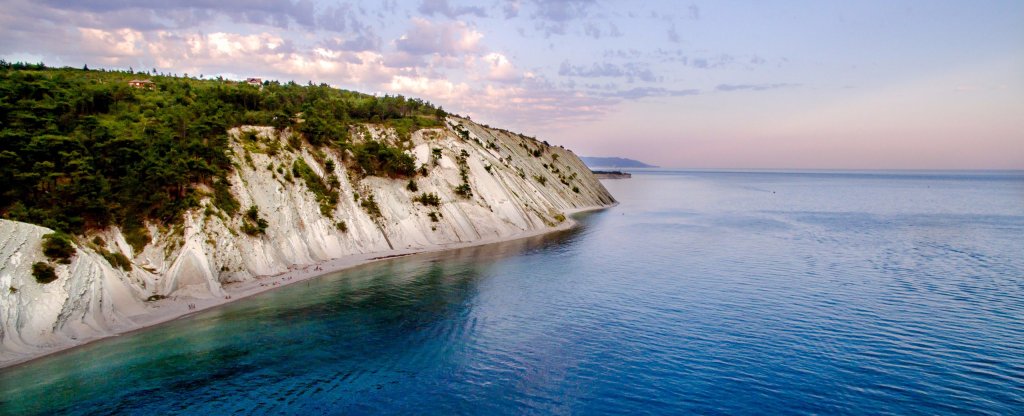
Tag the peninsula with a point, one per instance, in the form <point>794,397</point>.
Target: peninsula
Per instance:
<point>614,162</point>
<point>132,200</point>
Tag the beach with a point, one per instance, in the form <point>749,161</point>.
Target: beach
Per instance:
<point>175,307</point>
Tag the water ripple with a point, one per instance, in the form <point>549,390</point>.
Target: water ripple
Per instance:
<point>701,293</point>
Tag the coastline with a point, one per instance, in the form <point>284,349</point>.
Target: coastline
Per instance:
<point>173,308</point>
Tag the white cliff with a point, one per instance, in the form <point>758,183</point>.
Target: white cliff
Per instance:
<point>519,186</point>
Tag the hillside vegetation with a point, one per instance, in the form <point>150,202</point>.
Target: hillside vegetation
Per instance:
<point>83,149</point>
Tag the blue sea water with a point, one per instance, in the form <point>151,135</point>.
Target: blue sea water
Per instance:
<point>704,292</point>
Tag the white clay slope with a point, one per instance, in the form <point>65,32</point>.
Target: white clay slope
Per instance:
<point>206,256</point>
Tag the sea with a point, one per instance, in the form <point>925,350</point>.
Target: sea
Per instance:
<point>702,292</point>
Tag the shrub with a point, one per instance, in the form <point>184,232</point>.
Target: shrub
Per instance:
<point>412,187</point>
<point>326,193</point>
<point>252,224</point>
<point>137,236</point>
<point>253,213</point>
<point>43,272</point>
<point>430,199</point>
<point>433,216</point>
<point>117,260</point>
<point>464,190</point>
<point>223,199</point>
<point>294,141</point>
<point>576,189</point>
<point>435,156</point>
<point>541,179</point>
<point>57,246</point>
<point>274,147</point>
<point>341,226</point>
<point>250,136</point>
<point>251,229</point>
<point>79,160</point>
<point>378,159</point>
<point>371,207</point>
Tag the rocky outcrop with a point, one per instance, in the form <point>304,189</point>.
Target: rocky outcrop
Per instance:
<point>516,185</point>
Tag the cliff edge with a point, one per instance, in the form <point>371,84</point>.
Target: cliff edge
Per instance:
<point>301,206</point>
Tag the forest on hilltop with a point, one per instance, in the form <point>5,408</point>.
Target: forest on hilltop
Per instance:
<point>82,149</point>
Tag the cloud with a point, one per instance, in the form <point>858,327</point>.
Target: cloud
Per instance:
<point>361,42</point>
<point>189,13</point>
<point>552,16</point>
<point>680,57</point>
<point>436,56</point>
<point>562,10</point>
<point>448,39</point>
<point>342,19</point>
<point>511,8</point>
<point>438,89</point>
<point>673,34</point>
<point>499,68</point>
<point>630,71</point>
<point>645,92</point>
<point>693,12</point>
<point>594,30</point>
<point>432,7</point>
<point>114,44</point>
<point>708,62</point>
<point>536,102</point>
<point>266,54</point>
<point>753,87</point>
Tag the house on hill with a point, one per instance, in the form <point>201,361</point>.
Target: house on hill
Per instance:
<point>142,83</point>
<point>257,82</point>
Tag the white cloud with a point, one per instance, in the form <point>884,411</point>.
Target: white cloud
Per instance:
<point>112,44</point>
<point>499,68</point>
<point>439,88</point>
<point>426,37</point>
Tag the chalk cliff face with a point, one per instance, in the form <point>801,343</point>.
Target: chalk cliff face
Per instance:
<point>517,185</point>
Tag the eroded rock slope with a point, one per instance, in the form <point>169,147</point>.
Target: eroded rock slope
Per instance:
<point>489,185</point>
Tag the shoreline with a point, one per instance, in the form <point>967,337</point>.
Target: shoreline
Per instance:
<point>174,308</point>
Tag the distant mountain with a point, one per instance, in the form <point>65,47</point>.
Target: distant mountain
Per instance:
<point>613,162</point>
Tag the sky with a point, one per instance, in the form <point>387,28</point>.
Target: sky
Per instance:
<point>724,84</point>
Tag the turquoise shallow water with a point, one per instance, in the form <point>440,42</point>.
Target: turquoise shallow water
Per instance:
<point>703,292</point>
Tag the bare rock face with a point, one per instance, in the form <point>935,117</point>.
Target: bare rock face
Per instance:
<point>490,185</point>
<point>89,298</point>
